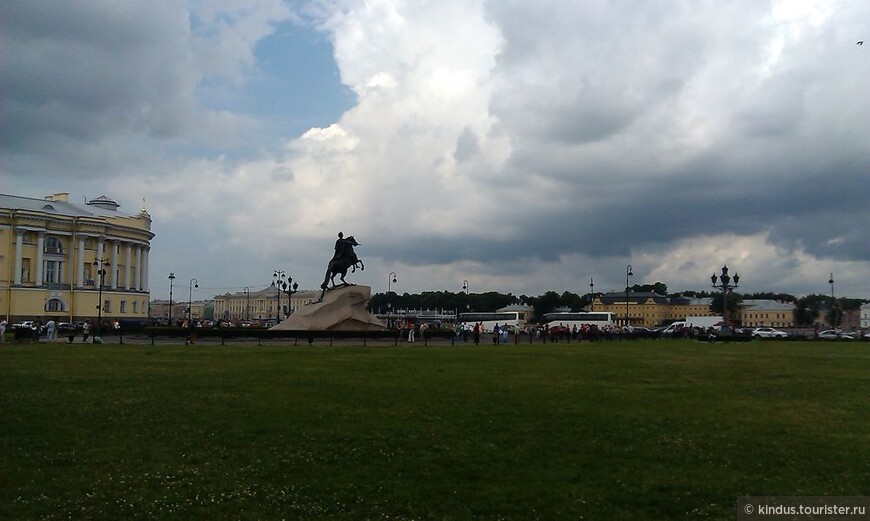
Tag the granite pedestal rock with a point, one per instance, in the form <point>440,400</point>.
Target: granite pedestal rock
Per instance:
<point>342,309</point>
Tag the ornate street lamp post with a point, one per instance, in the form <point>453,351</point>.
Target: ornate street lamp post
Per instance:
<point>284,282</point>
<point>247,303</point>
<point>725,284</point>
<point>101,271</point>
<point>391,279</point>
<point>628,274</point>
<point>591,294</point>
<point>834,317</point>
<point>467,296</point>
<point>193,284</point>
<point>171,280</point>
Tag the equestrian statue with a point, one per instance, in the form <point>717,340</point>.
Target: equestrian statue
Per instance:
<point>345,258</point>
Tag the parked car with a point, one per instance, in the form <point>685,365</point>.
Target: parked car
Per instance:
<point>27,324</point>
<point>835,334</point>
<point>644,332</point>
<point>768,332</point>
<point>675,330</point>
<point>65,327</point>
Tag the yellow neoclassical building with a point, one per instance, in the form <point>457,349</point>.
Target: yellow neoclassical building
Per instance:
<point>59,259</point>
<point>651,309</point>
<point>260,304</point>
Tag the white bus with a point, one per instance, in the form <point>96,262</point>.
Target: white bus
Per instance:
<point>514,319</point>
<point>571,319</point>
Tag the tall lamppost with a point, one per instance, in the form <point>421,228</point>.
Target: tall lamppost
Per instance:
<point>247,303</point>
<point>391,279</point>
<point>467,296</point>
<point>591,294</point>
<point>833,303</point>
<point>193,284</point>
<point>628,274</point>
<point>101,271</point>
<point>171,280</point>
<point>725,284</point>
<point>284,282</point>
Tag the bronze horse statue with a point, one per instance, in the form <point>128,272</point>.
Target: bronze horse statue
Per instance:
<point>345,258</point>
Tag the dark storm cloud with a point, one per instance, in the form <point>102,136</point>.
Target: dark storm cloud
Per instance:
<point>78,72</point>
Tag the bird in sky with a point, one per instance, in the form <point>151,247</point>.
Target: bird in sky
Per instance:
<point>860,42</point>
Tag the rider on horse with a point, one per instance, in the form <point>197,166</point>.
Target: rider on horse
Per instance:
<point>343,258</point>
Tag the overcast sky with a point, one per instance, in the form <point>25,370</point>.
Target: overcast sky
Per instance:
<point>521,146</point>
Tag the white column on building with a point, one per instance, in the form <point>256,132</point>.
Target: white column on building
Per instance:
<point>19,245</point>
<point>80,268</point>
<point>116,247</point>
<point>145,260</point>
<point>139,267</point>
<point>40,250</point>
<point>101,249</point>
<point>128,262</point>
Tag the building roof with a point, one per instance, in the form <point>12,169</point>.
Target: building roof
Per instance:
<point>59,204</point>
<point>767,305</point>
<point>515,307</point>
<point>637,297</point>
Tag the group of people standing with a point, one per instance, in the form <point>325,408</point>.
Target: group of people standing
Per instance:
<point>51,330</point>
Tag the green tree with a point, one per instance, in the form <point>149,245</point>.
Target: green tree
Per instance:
<point>733,303</point>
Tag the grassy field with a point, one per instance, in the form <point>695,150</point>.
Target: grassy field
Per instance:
<point>626,430</point>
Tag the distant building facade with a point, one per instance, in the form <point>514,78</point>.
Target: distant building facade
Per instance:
<point>260,305</point>
<point>160,311</point>
<point>766,313</point>
<point>649,309</point>
<point>48,249</point>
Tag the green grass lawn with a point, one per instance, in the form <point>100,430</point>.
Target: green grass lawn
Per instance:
<point>625,430</point>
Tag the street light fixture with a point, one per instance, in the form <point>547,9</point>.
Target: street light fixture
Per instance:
<point>725,284</point>
<point>284,282</point>
<point>467,295</point>
<point>193,284</point>
<point>101,271</point>
<point>247,303</point>
<point>171,280</point>
<point>591,294</point>
<point>628,274</point>
<point>391,279</point>
<point>834,317</point>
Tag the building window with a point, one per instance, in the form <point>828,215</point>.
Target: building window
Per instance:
<point>52,272</point>
<point>88,273</point>
<point>90,244</point>
<point>53,245</point>
<point>25,270</point>
<point>54,305</point>
<point>107,306</point>
<point>123,306</point>
<point>135,306</point>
